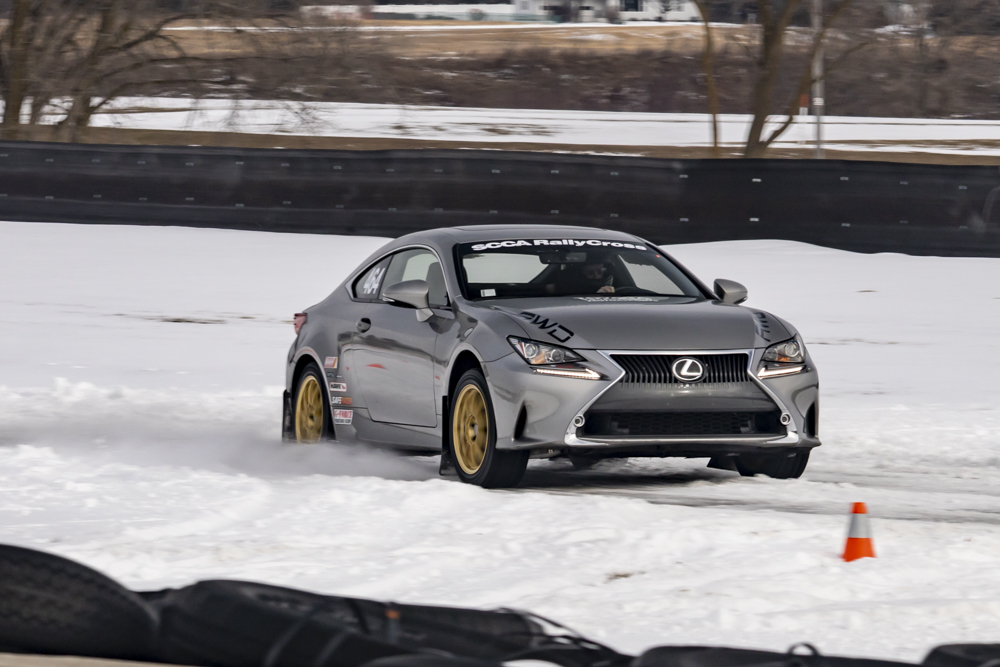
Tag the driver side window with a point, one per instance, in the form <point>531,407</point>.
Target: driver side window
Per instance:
<point>419,264</point>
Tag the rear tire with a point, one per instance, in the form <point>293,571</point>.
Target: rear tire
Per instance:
<point>312,420</point>
<point>472,437</point>
<point>786,465</point>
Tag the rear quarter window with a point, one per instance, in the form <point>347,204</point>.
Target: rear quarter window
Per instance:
<point>367,285</point>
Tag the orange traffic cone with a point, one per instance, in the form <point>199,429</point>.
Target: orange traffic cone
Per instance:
<point>859,535</point>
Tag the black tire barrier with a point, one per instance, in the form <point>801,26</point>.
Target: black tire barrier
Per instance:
<point>53,605</point>
<point>243,624</point>
<point>710,656</point>
<point>703,656</point>
<point>430,661</point>
<point>239,624</point>
<point>861,206</point>
<point>964,655</point>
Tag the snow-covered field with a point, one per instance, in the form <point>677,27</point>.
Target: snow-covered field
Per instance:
<point>140,376</point>
<point>584,128</point>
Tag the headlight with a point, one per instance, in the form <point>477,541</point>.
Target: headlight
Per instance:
<point>553,360</point>
<point>785,358</point>
<point>538,354</point>
<point>789,352</point>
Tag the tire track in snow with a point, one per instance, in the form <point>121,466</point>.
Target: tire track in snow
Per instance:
<point>892,494</point>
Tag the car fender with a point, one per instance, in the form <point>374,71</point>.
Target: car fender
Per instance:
<point>293,362</point>
<point>501,397</point>
<point>484,337</point>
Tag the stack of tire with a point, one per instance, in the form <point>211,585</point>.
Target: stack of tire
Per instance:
<point>51,605</point>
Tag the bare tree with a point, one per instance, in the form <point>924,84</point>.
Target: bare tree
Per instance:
<point>17,38</point>
<point>776,18</point>
<point>708,65</point>
<point>80,55</point>
<point>76,50</point>
<point>931,40</point>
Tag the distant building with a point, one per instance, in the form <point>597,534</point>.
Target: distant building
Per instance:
<point>597,10</point>
<point>909,13</point>
<point>528,10</point>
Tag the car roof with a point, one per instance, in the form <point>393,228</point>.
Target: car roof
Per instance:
<point>470,233</point>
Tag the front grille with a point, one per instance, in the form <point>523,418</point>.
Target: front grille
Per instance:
<point>667,424</point>
<point>655,368</point>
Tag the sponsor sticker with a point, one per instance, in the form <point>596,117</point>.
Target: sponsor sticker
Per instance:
<point>343,416</point>
<point>338,387</point>
<point>487,292</point>
<point>557,243</point>
<point>341,400</point>
<point>331,362</point>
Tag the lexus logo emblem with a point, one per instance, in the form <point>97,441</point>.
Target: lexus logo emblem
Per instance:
<point>688,370</point>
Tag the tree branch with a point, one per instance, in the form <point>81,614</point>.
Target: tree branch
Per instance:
<point>708,58</point>
<point>807,79</point>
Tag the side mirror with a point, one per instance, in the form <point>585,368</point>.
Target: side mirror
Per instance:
<point>412,293</point>
<point>730,291</point>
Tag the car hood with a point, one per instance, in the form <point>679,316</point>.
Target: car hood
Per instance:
<point>643,323</point>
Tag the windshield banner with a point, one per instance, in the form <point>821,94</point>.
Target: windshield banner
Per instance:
<point>557,243</point>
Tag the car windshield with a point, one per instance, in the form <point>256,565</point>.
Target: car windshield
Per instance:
<point>519,268</point>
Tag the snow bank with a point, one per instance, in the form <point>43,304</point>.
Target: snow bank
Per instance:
<point>585,128</point>
<point>139,415</point>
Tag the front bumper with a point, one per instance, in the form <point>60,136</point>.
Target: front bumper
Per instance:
<point>538,412</point>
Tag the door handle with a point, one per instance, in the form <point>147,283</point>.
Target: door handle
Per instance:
<point>364,324</point>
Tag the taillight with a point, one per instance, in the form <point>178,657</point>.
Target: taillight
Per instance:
<point>300,319</point>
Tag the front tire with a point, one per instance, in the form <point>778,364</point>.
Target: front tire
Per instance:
<point>472,438</point>
<point>311,417</point>
<point>786,465</point>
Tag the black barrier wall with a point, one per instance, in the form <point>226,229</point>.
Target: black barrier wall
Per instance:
<point>861,206</point>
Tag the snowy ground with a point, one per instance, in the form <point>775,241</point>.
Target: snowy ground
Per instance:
<point>139,408</point>
<point>585,128</point>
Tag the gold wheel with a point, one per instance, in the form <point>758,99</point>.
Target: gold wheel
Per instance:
<point>470,429</point>
<point>309,411</point>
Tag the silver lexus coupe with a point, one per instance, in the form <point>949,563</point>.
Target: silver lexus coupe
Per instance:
<point>492,345</point>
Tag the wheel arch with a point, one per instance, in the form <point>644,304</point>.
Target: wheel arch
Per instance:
<point>465,360</point>
<point>303,359</point>
<point>507,466</point>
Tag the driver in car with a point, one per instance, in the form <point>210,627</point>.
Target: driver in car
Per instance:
<point>598,278</point>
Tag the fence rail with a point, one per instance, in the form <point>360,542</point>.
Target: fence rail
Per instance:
<point>861,206</point>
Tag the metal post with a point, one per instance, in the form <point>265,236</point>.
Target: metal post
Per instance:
<point>817,74</point>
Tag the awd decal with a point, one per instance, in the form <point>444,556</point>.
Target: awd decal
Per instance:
<point>338,387</point>
<point>341,400</point>
<point>331,362</point>
<point>554,329</point>
<point>343,416</point>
